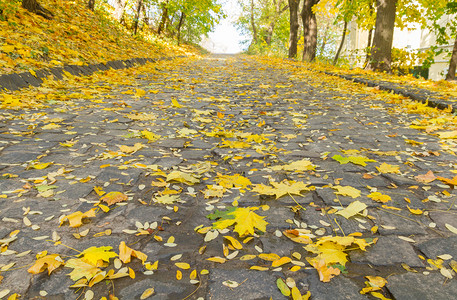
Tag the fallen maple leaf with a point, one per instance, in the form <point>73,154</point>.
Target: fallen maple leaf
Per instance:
<point>182,177</point>
<point>386,168</point>
<point>230,181</point>
<point>244,219</point>
<point>97,255</point>
<point>379,197</point>
<point>131,149</point>
<point>126,254</point>
<point>81,269</point>
<point>49,262</point>
<point>299,165</point>
<point>75,219</point>
<point>114,197</point>
<point>426,178</point>
<point>357,160</point>
<point>325,272</point>
<point>282,188</point>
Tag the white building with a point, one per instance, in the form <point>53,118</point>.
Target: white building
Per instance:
<point>416,40</point>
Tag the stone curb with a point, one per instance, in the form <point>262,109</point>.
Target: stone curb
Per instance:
<point>17,81</point>
<point>417,94</point>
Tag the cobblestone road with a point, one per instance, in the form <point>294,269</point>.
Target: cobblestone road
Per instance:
<point>187,126</point>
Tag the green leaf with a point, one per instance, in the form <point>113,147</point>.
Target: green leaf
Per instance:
<point>282,286</point>
<point>356,160</point>
<point>225,214</point>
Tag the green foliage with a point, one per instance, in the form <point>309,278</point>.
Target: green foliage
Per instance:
<point>403,61</point>
<point>8,8</point>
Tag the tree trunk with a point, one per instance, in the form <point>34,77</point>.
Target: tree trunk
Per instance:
<point>254,28</point>
<point>381,56</point>
<point>164,18</point>
<point>343,38</point>
<point>91,5</point>
<point>145,15</point>
<point>139,4</point>
<point>35,7</point>
<point>453,64</point>
<point>324,40</point>
<point>309,30</point>
<point>275,18</point>
<point>294,25</point>
<point>181,22</point>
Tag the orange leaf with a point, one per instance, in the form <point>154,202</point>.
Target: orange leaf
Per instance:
<point>49,262</point>
<point>126,253</point>
<point>75,219</point>
<point>114,197</point>
<point>426,178</point>
<point>452,181</point>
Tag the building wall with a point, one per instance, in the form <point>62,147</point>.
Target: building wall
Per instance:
<point>412,40</point>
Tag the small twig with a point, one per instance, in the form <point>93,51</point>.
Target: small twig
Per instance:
<point>296,201</point>
<point>334,219</point>
<point>199,285</point>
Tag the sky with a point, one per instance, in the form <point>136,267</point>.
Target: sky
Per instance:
<point>225,38</point>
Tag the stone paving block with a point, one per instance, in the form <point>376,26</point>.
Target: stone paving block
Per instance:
<point>339,288</point>
<point>413,286</point>
<point>388,251</point>
<point>393,224</point>
<point>259,285</point>
<point>439,246</point>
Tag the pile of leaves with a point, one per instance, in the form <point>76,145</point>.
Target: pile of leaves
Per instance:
<point>75,35</point>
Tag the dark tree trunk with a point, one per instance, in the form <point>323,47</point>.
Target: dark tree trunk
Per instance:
<point>91,5</point>
<point>381,54</point>
<point>145,15</point>
<point>309,30</point>
<point>164,18</point>
<point>139,4</point>
<point>294,25</point>
<point>343,38</point>
<point>181,22</point>
<point>324,40</point>
<point>453,63</point>
<point>35,7</point>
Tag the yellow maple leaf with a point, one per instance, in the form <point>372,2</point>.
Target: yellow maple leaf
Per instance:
<point>39,166</point>
<point>379,197</point>
<point>126,254</point>
<point>183,177</point>
<point>330,252</point>
<point>166,199</point>
<point>386,168</point>
<point>97,255</point>
<point>244,219</point>
<point>81,269</point>
<point>229,181</point>
<point>49,262</point>
<point>299,165</point>
<point>131,149</point>
<point>75,219</point>
<point>448,134</point>
<point>114,197</point>
<point>150,136</point>
<point>214,191</point>
<point>346,191</point>
<point>139,93</point>
<point>352,209</point>
<point>285,187</point>
<point>235,144</point>
<point>50,126</point>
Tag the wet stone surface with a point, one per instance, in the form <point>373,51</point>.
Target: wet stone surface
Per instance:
<point>183,139</point>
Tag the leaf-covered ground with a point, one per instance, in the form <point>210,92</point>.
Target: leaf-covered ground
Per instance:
<point>443,89</point>
<point>225,178</point>
<point>75,35</point>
